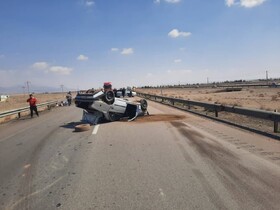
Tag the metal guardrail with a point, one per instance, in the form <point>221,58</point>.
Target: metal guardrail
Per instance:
<point>24,109</point>
<point>266,115</point>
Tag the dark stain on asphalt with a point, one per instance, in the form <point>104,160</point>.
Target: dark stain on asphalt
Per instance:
<point>236,177</point>
<point>211,193</point>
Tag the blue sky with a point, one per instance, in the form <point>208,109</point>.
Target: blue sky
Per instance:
<point>83,43</point>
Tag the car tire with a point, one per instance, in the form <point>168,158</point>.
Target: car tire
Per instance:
<point>109,97</point>
<point>82,127</point>
<point>143,104</point>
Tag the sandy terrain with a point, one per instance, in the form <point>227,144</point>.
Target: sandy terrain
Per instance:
<point>18,101</point>
<point>253,97</point>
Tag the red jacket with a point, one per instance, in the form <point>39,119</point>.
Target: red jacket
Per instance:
<point>32,101</point>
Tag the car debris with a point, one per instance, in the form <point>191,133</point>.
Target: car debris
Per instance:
<point>103,104</point>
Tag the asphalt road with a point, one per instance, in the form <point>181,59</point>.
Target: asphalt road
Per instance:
<point>175,161</point>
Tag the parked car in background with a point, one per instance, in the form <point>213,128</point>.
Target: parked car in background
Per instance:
<point>128,92</point>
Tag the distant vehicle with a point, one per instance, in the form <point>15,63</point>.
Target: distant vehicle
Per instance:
<point>275,85</point>
<point>128,92</point>
<point>104,104</point>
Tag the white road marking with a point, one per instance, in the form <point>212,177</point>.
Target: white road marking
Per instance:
<point>94,132</point>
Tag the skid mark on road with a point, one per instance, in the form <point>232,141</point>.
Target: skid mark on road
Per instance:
<point>242,181</point>
<point>10,207</point>
<point>211,193</point>
<point>240,143</point>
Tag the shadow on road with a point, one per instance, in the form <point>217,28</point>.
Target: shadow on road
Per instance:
<point>71,125</point>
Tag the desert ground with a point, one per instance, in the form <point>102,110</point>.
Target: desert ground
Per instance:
<point>264,98</point>
<point>16,101</point>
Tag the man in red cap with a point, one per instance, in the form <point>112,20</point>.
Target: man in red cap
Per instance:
<point>32,103</point>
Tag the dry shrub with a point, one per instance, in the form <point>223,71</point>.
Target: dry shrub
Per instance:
<point>274,98</point>
<point>278,94</point>
<point>237,104</point>
<point>209,99</point>
<point>251,91</point>
<point>261,95</point>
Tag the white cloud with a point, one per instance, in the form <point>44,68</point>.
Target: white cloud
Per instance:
<point>53,69</point>
<point>82,58</point>
<point>176,33</point>
<point>114,49</point>
<point>89,3</point>
<point>251,3</point>
<point>229,3</point>
<point>245,3</point>
<point>177,61</point>
<point>168,1</point>
<point>60,70</point>
<point>40,65</point>
<point>127,51</point>
<point>172,1</point>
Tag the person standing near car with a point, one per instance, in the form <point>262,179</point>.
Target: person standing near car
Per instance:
<point>123,92</point>
<point>32,104</point>
<point>69,98</point>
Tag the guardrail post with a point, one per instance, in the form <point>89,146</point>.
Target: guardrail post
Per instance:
<point>216,111</point>
<point>276,123</point>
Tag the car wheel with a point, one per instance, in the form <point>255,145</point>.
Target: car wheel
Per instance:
<point>144,104</point>
<point>109,97</point>
<point>82,127</point>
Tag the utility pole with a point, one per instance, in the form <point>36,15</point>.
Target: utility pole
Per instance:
<point>266,77</point>
<point>62,88</point>
<point>23,89</point>
<point>27,85</point>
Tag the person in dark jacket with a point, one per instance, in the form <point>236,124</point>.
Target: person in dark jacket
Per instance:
<point>123,92</point>
<point>32,104</point>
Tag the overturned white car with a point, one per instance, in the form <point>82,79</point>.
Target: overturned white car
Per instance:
<point>104,104</point>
